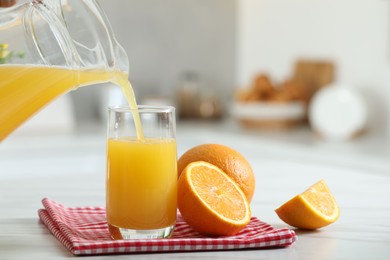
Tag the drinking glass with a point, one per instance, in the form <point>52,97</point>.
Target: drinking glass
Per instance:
<point>141,180</point>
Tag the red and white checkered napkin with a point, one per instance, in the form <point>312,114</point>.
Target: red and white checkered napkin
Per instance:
<point>83,230</point>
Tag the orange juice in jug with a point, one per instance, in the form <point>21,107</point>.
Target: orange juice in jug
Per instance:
<point>25,89</point>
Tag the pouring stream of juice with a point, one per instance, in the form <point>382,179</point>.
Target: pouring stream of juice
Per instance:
<point>25,89</point>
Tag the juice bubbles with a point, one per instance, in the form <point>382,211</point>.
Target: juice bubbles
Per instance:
<point>25,89</point>
<point>141,183</point>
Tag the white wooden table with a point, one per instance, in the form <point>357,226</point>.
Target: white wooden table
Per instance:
<point>71,170</point>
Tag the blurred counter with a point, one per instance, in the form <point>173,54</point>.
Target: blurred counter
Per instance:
<point>368,150</point>
<point>70,168</point>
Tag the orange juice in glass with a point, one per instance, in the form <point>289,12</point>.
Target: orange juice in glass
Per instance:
<point>141,181</point>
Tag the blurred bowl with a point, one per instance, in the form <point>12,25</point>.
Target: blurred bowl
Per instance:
<point>269,114</point>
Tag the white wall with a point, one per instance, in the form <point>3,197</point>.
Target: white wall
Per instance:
<point>273,34</point>
<point>228,41</point>
<point>164,38</point>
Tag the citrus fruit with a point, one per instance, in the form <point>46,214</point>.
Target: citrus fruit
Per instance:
<point>312,209</point>
<point>227,159</point>
<point>211,202</point>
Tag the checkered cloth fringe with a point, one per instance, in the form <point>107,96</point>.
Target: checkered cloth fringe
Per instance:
<point>83,230</point>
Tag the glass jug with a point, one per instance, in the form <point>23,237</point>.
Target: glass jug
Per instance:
<point>49,47</point>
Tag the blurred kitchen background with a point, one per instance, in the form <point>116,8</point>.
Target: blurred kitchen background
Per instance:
<point>257,62</point>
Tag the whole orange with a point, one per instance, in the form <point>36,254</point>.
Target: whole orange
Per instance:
<point>227,159</point>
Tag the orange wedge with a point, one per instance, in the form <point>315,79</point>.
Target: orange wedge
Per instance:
<point>210,201</point>
<point>313,209</point>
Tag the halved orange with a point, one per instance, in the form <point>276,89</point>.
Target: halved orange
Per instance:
<point>225,158</point>
<point>312,209</point>
<point>210,201</point>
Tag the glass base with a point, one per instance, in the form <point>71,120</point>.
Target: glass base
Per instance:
<point>124,233</point>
